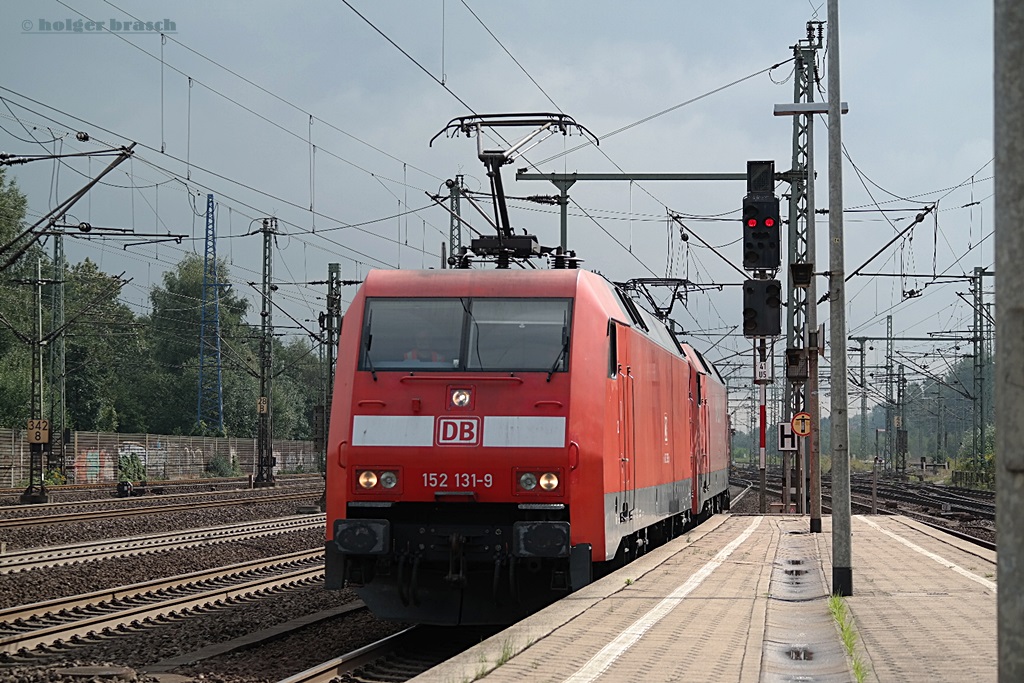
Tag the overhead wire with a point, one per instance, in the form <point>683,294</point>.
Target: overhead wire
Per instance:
<point>216,175</point>
<point>511,56</point>
<point>234,101</point>
<point>649,118</point>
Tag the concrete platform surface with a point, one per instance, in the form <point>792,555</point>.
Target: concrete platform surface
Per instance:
<point>746,598</point>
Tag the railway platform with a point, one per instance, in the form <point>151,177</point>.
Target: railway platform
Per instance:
<point>746,598</point>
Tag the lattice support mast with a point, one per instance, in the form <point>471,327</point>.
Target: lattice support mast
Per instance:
<point>264,407</point>
<point>799,315</point>
<point>210,399</point>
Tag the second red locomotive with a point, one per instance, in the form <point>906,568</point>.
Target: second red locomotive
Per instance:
<point>498,438</point>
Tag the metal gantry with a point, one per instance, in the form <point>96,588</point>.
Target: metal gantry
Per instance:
<point>563,181</point>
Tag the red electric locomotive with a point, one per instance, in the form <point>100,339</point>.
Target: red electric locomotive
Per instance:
<point>499,437</point>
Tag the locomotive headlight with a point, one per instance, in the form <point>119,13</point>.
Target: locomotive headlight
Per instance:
<point>388,480</point>
<point>367,479</point>
<point>460,397</point>
<point>528,480</point>
<point>549,481</point>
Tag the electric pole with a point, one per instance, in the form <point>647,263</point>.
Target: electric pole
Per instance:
<point>210,400</point>
<point>842,566</point>
<point>813,348</point>
<point>762,384</point>
<point>1009,381</point>
<point>264,405</point>
<point>978,335</point>
<point>801,302</point>
<point>38,427</point>
<point>863,404</point>
<point>455,224</point>
<point>332,325</point>
<point>901,424</point>
<point>58,360</point>
<point>890,401</point>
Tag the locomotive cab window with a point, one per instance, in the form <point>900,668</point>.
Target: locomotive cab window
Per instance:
<point>484,334</point>
<point>518,334</point>
<point>411,334</point>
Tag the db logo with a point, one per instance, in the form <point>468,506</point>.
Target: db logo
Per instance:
<point>458,431</point>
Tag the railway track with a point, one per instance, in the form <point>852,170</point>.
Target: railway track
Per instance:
<point>860,501</point>
<point>73,618</point>
<point>932,497</point>
<point>154,500</point>
<point>397,658</point>
<point>340,667</point>
<point>84,515</point>
<point>166,485</point>
<point>37,558</point>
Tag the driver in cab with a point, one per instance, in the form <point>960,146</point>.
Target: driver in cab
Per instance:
<point>424,351</point>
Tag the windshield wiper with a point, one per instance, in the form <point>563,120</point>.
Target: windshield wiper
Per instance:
<point>369,343</point>
<point>561,353</point>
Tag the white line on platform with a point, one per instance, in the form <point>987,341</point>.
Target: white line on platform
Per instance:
<point>600,662</point>
<point>991,585</point>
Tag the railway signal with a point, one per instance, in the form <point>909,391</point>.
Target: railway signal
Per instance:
<point>761,233</point>
<point>762,307</point>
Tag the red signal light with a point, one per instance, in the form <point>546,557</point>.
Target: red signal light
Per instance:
<point>752,222</point>
<point>769,222</point>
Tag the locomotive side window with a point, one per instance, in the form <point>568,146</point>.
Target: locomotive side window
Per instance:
<point>519,334</point>
<point>613,352</point>
<point>412,334</point>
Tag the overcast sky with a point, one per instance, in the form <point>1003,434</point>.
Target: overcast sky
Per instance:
<point>917,76</point>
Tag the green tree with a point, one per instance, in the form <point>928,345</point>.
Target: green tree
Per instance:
<point>17,307</point>
<point>297,389</point>
<point>172,334</point>
<point>102,352</point>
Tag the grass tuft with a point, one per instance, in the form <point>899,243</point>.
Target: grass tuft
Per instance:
<point>507,650</point>
<point>844,620</point>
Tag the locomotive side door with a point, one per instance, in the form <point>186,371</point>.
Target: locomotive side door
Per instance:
<point>624,380</point>
<point>697,449</point>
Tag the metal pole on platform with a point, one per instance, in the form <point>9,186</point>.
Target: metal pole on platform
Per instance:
<point>1009,384</point>
<point>874,483</point>
<point>813,441</point>
<point>842,567</point>
<point>762,391</point>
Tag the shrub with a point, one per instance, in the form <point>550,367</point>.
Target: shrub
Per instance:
<point>222,466</point>
<point>130,468</point>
